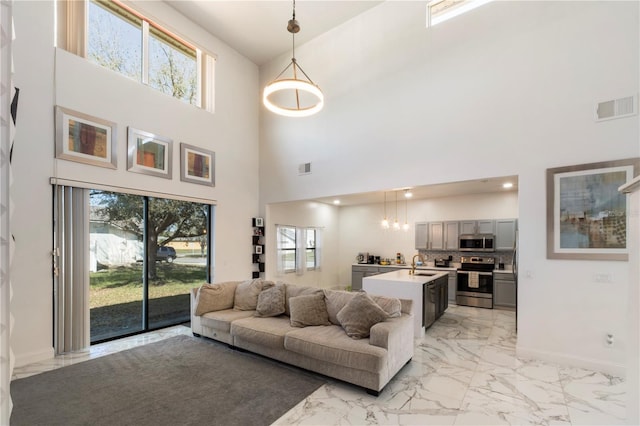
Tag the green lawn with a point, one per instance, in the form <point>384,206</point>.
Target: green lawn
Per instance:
<point>123,284</point>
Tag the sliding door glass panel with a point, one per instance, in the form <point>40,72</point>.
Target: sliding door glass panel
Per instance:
<point>177,258</point>
<point>115,265</point>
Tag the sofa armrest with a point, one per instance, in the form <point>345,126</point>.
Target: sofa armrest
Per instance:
<point>396,336</point>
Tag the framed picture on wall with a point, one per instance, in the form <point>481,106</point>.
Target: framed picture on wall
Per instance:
<point>85,139</point>
<point>148,153</point>
<point>587,216</point>
<point>197,165</point>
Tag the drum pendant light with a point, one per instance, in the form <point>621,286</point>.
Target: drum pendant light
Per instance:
<point>280,86</point>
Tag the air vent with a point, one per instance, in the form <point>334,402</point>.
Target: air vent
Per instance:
<point>304,169</point>
<point>617,108</point>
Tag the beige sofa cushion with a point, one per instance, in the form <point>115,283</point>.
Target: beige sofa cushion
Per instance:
<point>292,290</point>
<point>268,332</point>
<point>246,295</point>
<point>359,315</point>
<point>271,302</point>
<point>331,344</point>
<point>308,310</point>
<point>221,320</point>
<point>391,305</point>
<point>215,297</point>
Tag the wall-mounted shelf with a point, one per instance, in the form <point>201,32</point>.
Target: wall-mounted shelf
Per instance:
<point>257,241</point>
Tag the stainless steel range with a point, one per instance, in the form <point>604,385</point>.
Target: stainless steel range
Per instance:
<point>475,282</point>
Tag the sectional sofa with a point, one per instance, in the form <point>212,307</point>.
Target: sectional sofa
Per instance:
<point>354,337</point>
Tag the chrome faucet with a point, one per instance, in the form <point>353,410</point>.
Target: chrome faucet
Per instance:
<point>413,263</point>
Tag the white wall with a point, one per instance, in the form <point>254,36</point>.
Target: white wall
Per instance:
<point>507,89</point>
<point>305,214</point>
<point>48,77</point>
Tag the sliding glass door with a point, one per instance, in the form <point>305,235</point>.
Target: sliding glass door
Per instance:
<point>146,254</point>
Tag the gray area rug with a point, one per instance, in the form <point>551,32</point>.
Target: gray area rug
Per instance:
<point>183,380</point>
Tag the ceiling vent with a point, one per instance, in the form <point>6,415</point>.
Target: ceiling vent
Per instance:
<point>617,108</point>
<point>304,169</point>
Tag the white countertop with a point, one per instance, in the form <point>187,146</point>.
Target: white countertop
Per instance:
<point>403,276</point>
<point>454,267</point>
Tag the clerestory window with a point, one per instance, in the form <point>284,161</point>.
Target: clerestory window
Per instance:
<point>442,10</point>
<point>122,40</point>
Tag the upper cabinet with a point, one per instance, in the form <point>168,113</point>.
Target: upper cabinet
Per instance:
<point>478,226</point>
<point>436,235</point>
<point>506,234</point>
<point>422,235</point>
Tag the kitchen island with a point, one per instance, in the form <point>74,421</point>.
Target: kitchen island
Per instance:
<point>427,289</point>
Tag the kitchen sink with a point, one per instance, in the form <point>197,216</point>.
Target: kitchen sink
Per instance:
<point>424,273</point>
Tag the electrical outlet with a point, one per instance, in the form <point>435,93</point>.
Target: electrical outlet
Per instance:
<point>602,278</point>
<point>609,340</point>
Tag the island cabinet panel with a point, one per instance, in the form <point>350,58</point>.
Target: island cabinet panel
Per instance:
<point>504,290</point>
<point>453,283</point>
<point>506,234</point>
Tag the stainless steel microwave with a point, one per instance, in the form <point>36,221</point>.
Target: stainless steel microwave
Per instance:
<point>477,242</point>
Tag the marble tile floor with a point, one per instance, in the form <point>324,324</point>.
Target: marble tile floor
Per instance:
<point>464,372</point>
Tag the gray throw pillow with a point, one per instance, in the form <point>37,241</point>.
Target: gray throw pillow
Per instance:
<point>359,315</point>
<point>390,305</point>
<point>215,297</point>
<point>246,297</point>
<point>271,302</point>
<point>308,310</point>
<point>336,300</point>
<point>293,290</point>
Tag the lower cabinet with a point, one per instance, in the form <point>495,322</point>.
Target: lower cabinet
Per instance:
<point>504,290</point>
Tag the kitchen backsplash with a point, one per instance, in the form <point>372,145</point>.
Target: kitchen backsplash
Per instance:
<point>430,256</point>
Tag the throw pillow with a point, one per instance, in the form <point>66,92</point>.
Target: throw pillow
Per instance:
<point>336,300</point>
<point>390,305</point>
<point>271,302</point>
<point>359,315</point>
<point>246,297</point>
<point>297,290</point>
<point>215,297</point>
<point>308,310</point>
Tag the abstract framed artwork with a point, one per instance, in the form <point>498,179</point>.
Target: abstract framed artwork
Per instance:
<point>149,154</point>
<point>85,139</point>
<point>586,214</point>
<point>197,165</point>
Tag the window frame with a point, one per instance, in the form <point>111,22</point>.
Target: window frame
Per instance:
<point>452,8</point>
<point>72,36</point>
<point>280,251</point>
<point>311,249</point>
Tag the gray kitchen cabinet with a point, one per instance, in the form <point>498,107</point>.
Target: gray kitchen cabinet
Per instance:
<point>451,235</point>
<point>506,234</point>
<point>442,235</point>
<point>484,226</point>
<point>436,236</point>
<point>504,290</point>
<point>361,271</point>
<point>422,235</point>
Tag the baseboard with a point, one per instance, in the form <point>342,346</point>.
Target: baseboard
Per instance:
<point>33,357</point>
<point>618,370</point>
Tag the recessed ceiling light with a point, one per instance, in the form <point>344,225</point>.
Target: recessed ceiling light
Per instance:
<point>408,194</point>
<point>336,202</point>
<point>507,185</point>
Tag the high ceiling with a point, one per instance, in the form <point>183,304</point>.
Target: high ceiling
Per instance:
<point>258,29</point>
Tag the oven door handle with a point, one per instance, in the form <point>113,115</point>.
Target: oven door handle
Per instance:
<point>464,272</point>
<point>486,273</point>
